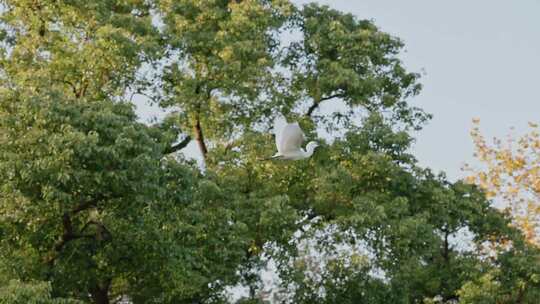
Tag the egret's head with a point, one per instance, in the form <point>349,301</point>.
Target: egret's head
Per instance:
<point>311,146</point>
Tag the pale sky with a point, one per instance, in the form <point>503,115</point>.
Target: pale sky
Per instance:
<point>481,59</point>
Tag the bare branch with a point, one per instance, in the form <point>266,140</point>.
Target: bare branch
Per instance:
<point>179,146</point>
<point>139,92</point>
<point>316,103</point>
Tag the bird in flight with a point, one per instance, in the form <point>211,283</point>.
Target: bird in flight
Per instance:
<point>289,139</point>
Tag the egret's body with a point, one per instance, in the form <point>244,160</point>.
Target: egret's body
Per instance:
<point>289,140</point>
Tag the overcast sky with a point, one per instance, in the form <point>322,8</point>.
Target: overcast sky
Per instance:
<point>481,59</point>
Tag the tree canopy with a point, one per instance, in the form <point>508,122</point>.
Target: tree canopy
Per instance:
<point>97,206</point>
<point>511,173</point>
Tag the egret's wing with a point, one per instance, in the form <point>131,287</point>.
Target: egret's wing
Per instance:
<point>279,124</point>
<point>291,138</point>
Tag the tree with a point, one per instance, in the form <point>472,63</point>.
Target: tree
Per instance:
<point>230,72</point>
<point>86,195</point>
<point>511,172</point>
<point>98,207</point>
<point>341,57</point>
<point>221,64</point>
<point>366,193</point>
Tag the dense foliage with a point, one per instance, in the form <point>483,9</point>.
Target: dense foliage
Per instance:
<point>98,207</point>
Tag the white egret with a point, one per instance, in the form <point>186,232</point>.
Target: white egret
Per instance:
<point>289,139</point>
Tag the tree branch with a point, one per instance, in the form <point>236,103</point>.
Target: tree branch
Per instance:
<point>102,234</point>
<point>179,146</point>
<point>68,235</point>
<point>84,206</point>
<point>316,103</point>
<point>446,245</point>
<point>199,137</point>
<point>312,108</point>
<point>67,224</point>
<point>100,292</point>
<point>139,92</point>
<point>73,87</point>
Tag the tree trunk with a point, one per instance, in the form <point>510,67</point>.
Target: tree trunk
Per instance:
<point>199,137</point>
<point>100,294</point>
